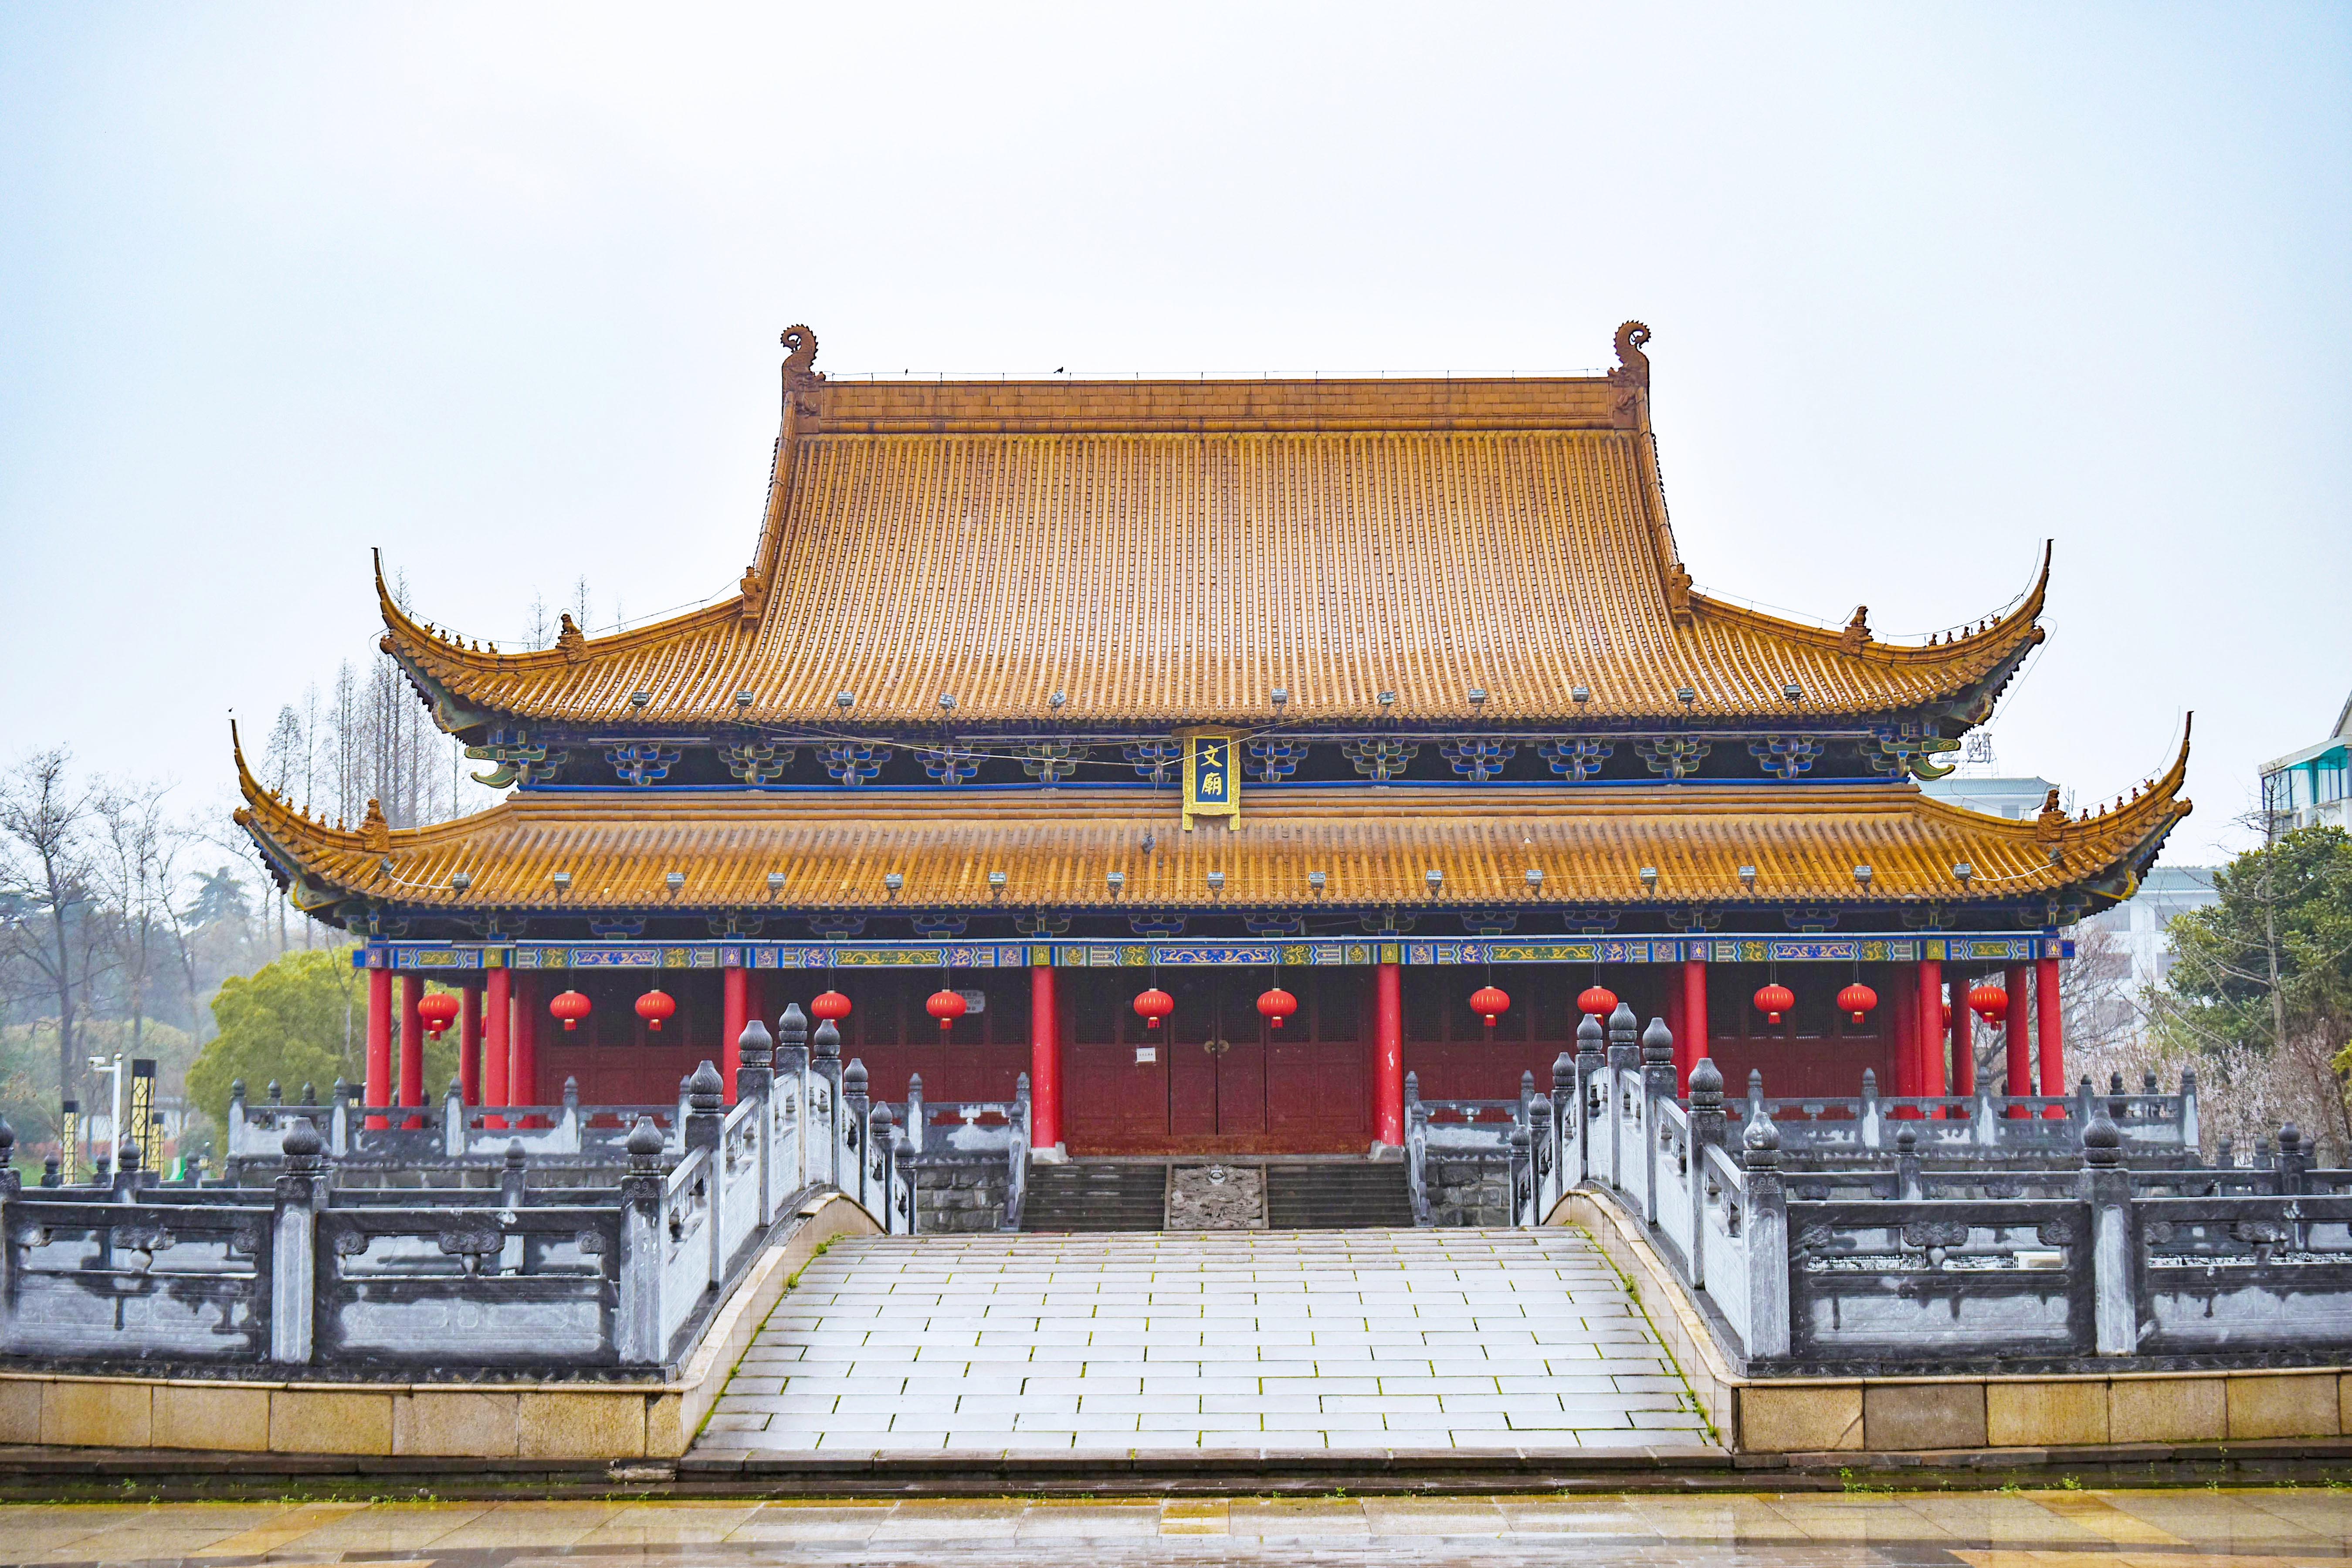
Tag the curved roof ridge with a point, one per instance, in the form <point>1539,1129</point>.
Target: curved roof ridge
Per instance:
<point>1975,651</point>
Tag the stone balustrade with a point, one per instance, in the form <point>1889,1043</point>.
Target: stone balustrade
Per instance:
<point>1909,1235</point>
<point>548,1247</point>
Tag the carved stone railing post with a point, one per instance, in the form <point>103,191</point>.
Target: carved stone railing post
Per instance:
<point>755,1080</point>
<point>1985,1130</point>
<point>1590,1101</point>
<point>1566,1121</point>
<point>514,1177</point>
<point>1706,1132</point>
<point>1873,1116</point>
<point>1540,1151</point>
<point>907,1173</point>
<point>338,1121</point>
<point>637,1323</point>
<point>824,1094</point>
<point>453,1122</point>
<point>1016,1190</point>
<point>1522,1186</point>
<point>793,1082</point>
<point>879,1125</point>
<point>856,1105</point>
<point>293,1245</point>
<point>567,1139</point>
<point>1906,1165</point>
<point>2106,1190</point>
<point>234,1134</point>
<point>705,1131</point>
<point>1765,1231</point>
<point>2293,1163</point>
<point>915,1112</point>
<point>2192,1136</point>
<point>1657,1085</point>
<point>1624,1093</point>
<point>1416,1150</point>
<point>127,1179</point>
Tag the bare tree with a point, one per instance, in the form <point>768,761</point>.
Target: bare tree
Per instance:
<point>54,926</point>
<point>137,866</point>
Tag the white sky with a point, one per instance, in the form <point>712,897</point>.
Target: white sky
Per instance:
<point>497,288</point>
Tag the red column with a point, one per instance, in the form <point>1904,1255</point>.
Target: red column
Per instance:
<point>469,1044</point>
<point>738,1010</point>
<point>1964,1041</point>
<point>378,1089</point>
<point>2049,1023</point>
<point>1045,1059</point>
<point>1388,1056</point>
<point>2017,1036</point>
<point>1902,1003</point>
<point>412,1045</point>
<point>498,1040</point>
<point>1694,1022</point>
<point>1931,1028</point>
<point>522,1078</point>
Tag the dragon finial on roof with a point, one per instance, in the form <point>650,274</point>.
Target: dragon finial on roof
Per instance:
<point>1633,364</point>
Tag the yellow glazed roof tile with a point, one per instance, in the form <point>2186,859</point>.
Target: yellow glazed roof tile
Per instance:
<point>1159,552</point>
<point>1056,848</point>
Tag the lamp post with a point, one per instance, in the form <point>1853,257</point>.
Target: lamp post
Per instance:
<point>112,1069</point>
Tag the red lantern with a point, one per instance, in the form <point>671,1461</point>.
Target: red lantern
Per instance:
<point>1153,1006</point>
<point>654,1007</point>
<point>947,1007</point>
<point>1598,1001</point>
<point>437,1012</point>
<point>830,1007</point>
<point>1857,999</point>
<point>1276,1005</point>
<point>1490,1004</point>
<point>570,1006</point>
<point>1991,1002</point>
<point>1774,1000</point>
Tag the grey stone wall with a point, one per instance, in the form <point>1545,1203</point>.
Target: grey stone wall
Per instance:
<point>962,1198</point>
<point>1470,1192</point>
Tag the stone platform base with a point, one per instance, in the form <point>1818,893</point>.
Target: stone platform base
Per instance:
<point>524,1422</point>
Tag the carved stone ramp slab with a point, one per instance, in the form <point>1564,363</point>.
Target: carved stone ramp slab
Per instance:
<point>1363,1342</point>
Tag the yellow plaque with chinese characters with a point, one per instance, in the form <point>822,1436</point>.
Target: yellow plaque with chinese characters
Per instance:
<point>1213,779</point>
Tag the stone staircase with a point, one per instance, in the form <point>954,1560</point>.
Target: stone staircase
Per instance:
<point>1096,1195</point>
<point>1338,1194</point>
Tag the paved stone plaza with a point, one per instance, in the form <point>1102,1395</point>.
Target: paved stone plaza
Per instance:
<point>2054,1528</point>
<point>1423,1338</point>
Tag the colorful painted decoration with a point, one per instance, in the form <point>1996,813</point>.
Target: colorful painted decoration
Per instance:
<point>437,1011</point>
<point>1990,1003</point>
<point>1857,999</point>
<point>1490,1003</point>
<point>654,1007</point>
<point>1276,1004</point>
<point>1774,1000</point>
<point>1153,1006</point>
<point>1598,1001</point>
<point>830,1007</point>
<point>570,1006</point>
<point>947,1007</point>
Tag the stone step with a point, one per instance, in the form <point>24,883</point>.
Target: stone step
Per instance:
<point>1095,1195</point>
<point>1494,1346</point>
<point>1326,1197</point>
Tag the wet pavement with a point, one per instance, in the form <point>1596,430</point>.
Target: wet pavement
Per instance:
<point>2211,1528</point>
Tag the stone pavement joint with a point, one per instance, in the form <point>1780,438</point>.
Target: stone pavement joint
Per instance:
<point>1112,1342</point>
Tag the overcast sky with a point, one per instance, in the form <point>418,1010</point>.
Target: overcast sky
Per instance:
<point>498,289</point>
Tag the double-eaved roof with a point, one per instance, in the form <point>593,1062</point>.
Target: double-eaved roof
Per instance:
<point>944,562</point>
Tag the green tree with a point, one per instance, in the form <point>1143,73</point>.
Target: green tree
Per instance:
<point>301,1018</point>
<point>2267,971</point>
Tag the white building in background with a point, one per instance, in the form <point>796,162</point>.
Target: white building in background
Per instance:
<point>2311,788</point>
<point>2139,924</point>
<point>2142,922</point>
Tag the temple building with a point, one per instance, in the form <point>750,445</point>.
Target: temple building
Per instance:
<point>1217,752</point>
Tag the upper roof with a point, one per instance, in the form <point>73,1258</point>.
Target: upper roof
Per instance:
<point>1156,552</point>
<point>832,850</point>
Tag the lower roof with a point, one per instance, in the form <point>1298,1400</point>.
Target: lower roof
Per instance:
<point>1728,846</point>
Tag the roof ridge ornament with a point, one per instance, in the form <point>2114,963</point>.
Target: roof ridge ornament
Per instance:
<point>570,640</point>
<point>1856,636</point>
<point>1632,365</point>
